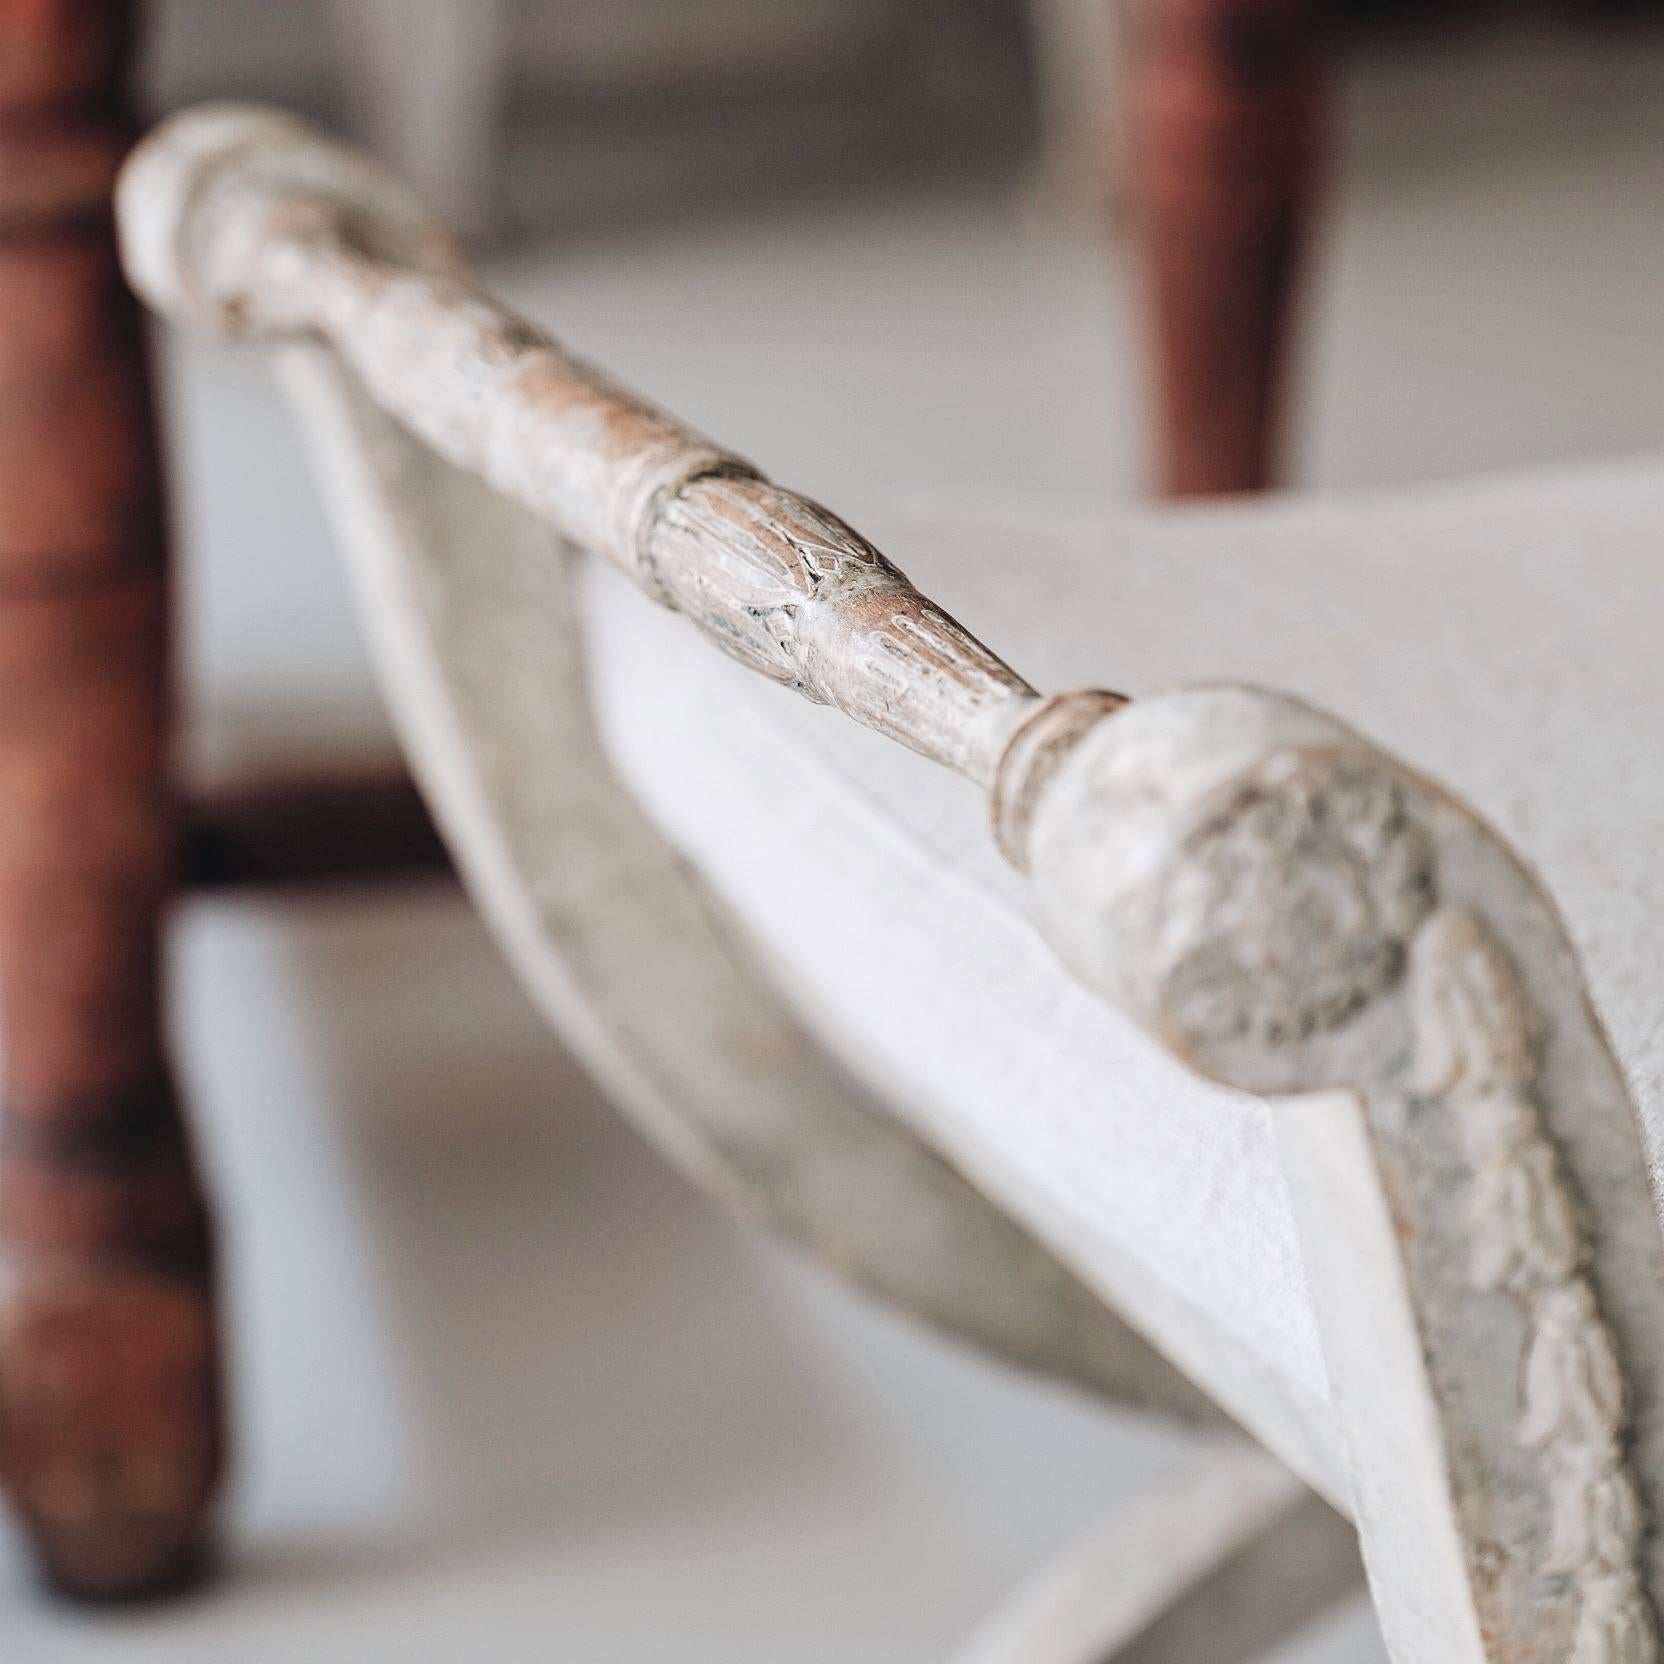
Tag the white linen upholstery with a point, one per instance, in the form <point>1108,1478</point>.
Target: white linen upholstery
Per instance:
<point>1504,637</point>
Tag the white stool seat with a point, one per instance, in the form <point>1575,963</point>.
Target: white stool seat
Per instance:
<point>1505,635</point>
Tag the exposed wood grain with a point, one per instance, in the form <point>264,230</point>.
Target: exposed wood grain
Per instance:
<point>109,1431</point>
<point>1292,913</point>
<point>245,221</point>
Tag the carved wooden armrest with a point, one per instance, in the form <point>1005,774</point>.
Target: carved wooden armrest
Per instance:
<point>1283,906</point>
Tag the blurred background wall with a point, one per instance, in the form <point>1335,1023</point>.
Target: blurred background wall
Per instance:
<point>516,112</point>
<point>523,114</point>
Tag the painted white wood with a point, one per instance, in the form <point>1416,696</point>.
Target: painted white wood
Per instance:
<point>1370,1339</point>
<point>1287,909</point>
<point>463,594</point>
<point>250,222</point>
<point>469,613</point>
<point>400,483</point>
<point>1291,911</point>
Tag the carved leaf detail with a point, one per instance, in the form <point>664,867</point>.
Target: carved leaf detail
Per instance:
<point>1574,1385</point>
<point>1477,1056</point>
<point>1614,1626</point>
<point>1524,1222</point>
<point>1293,906</point>
<point>1473,1023</point>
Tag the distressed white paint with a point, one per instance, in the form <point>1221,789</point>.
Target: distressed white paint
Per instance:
<point>1477,1052</point>
<point>247,222</point>
<point>1287,909</point>
<point>468,607</point>
<point>1254,882</point>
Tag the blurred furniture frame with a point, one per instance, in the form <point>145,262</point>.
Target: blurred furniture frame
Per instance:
<point>1201,123</point>
<point>1225,135</point>
<point>110,1436</point>
<point>1242,884</point>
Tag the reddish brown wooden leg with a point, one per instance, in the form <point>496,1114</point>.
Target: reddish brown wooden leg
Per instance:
<point>1226,103</point>
<point>109,1391</point>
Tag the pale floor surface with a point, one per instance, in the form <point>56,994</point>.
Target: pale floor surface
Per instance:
<point>506,1389</point>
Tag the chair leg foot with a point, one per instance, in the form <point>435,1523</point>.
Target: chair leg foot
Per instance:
<point>109,1389</point>
<point>109,1385</point>
<point>1225,140</point>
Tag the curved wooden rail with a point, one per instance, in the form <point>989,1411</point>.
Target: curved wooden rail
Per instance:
<point>247,223</point>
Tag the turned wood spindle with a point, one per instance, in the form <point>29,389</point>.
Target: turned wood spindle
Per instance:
<point>109,1393</point>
